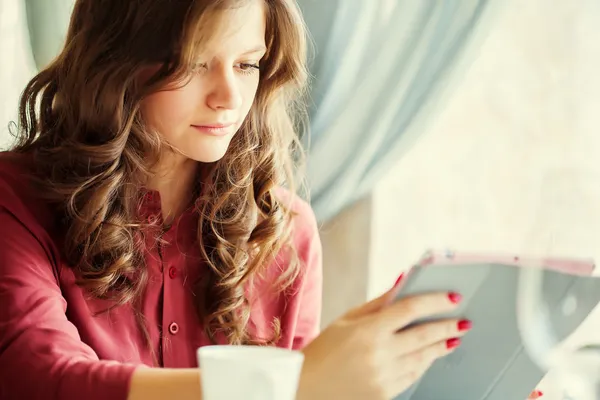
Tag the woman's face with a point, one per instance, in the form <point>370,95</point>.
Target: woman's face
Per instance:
<point>200,118</point>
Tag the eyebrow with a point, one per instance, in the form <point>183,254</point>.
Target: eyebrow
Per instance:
<point>258,49</point>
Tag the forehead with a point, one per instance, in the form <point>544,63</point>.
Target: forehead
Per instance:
<point>240,28</point>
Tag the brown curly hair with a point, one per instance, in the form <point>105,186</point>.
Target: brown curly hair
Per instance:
<point>92,154</point>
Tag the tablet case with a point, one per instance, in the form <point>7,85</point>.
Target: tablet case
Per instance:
<point>491,362</point>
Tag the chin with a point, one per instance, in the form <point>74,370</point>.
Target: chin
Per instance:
<point>208,158</point>
<point>209,152</point>
<point>205,148</point>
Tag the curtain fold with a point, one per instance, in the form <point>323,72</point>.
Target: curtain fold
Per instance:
<point>379,72</point>
<point>17,64</point>
<point>48,21</point>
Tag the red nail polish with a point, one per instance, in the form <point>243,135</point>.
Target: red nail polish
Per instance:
<point>539,393</point>
<point>452,343</point>
<point>454,297</point>
<point>464,325</point>
<point>399,279</point>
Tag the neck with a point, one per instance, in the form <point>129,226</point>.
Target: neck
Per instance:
<point>174,179</point>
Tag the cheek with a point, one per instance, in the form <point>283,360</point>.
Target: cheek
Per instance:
<point>169,111</point>
<point>249,96</point>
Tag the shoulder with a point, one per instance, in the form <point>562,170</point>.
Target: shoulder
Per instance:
<point>18,195</point>
<point>305,230</point>
<point>304,219</point>
<point>13,180</point>
<point>305,238</point>
<point>302,303</point>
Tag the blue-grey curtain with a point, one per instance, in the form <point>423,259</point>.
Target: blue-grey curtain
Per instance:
<point>48,21</point>
<point>380,68</point>
<point>17,64</point>
<point>31,34</point>
<point>380,71</point>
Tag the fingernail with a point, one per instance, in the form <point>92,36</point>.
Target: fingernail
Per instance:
<point>464,325</point>
<point>399,279</point>
<point>539,393</point>
<point>454,297</point>
<point>452,343</point>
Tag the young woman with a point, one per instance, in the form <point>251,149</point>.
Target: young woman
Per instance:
<point>148,208</point>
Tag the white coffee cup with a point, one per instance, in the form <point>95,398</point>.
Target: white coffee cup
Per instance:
<point>249,372</point>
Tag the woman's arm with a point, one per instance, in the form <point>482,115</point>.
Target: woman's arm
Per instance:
<point>161,384</point>
<point>41,353</point>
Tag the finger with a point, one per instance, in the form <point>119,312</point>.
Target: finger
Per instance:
<point>411,367</point>
<point>376,304</point>
<point>423,335</point>
<point>400,384</point>
<point>426,356</point>
<point>403,312</point>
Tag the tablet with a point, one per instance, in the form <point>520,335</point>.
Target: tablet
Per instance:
<point>491,362</point>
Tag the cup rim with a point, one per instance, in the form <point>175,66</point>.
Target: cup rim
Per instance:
<point>274,354</point>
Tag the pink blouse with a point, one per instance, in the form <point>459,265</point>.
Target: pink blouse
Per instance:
<point>53,347</point>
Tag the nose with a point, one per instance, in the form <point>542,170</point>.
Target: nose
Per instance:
<point>225,91</point>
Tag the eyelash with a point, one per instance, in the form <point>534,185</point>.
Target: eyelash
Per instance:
<point>248,69</point>
<point>244,68</point>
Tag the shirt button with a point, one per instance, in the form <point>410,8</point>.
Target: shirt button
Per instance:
<point>172,272</point>
<point>173,328</point>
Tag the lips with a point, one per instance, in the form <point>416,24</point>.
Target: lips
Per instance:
<point>214,126</point>
<point>214,129</point>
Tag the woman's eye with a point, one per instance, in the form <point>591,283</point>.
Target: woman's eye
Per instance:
<point>245,68</point>
<point>248,68</point>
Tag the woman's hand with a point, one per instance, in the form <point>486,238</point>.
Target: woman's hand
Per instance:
<point>367,354</point>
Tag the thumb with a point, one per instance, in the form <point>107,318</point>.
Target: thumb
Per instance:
<point>377,303</point>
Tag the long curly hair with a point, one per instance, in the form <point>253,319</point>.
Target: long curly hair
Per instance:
<point>81,124</point>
